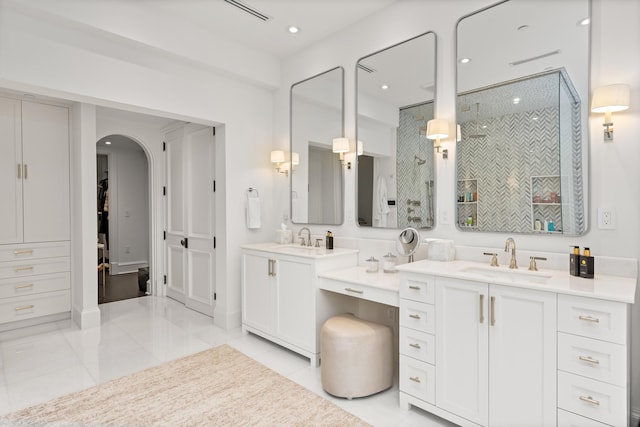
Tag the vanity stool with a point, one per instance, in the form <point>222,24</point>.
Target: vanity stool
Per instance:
<point>356,356</point>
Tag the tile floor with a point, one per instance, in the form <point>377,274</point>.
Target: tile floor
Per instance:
<point>55,359</point>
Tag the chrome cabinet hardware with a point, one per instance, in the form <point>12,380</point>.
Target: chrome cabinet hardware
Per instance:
<point>415,379</point>
<point>357,291</point>
<point>481,308</point>
<point>590,399</point>
<point>493,311</point>
<point>415,316</point>
<point>589,360</point>
<point>589,319</point>
<point>415,346</point>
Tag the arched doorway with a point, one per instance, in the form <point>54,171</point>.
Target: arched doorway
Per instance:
<point>123,215</point>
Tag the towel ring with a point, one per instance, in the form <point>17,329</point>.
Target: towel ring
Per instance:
<point>251,189</point>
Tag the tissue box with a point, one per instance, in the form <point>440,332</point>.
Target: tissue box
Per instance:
<point>284,236</point>
<point>441,250</point>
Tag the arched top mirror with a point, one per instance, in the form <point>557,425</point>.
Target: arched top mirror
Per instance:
<point>395,163</point>
<point>317,117</point>
<point>408,242</point>
<point>522,108</point>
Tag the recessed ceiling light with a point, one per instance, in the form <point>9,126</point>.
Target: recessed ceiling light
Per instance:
<point>293,29</point>
<point>516,100</point>
<point>583,22</point>
<point>107,143</point>
<point>465,60</point>
<point>384,87</point>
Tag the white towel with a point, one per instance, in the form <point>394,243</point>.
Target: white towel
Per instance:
<point>253,212</point>
<point>380,204</point>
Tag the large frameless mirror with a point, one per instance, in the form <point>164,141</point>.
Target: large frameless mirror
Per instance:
<point>522,108</point>
<point>395,161</point>
<point>317,190</point>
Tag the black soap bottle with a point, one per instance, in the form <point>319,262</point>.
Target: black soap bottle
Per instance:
<point>587,264</point>
<point>574,261</point>
<point>329,240</point>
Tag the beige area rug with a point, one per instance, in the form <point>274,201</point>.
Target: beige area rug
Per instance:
<point>217,387</point>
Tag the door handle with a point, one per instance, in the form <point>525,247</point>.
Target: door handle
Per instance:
<point>19,171</point>
<point>184,243</point>
<point>25,171</point>
<point>493,311</point>
<point>481,308</point>
<point>272,267</point>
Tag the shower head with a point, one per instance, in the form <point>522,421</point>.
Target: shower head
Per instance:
<point>420,161</point>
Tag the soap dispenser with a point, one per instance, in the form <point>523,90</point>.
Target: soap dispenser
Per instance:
<point>574,261</point>
<point>329,240</point>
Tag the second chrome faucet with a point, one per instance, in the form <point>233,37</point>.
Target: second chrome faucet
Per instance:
<point>511,244</point>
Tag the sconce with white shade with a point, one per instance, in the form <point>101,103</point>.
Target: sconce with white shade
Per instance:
<point>437,129</point>
<point>277,157</point>
<point>295,160</point>
<point>341,146</point>
<point>359,148</point>
<point>609,99</point>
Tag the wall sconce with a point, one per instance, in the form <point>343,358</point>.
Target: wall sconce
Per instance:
<point>341,146</point>
<point>607,99</point>
<point>295,160</point>
<point>277,157</point>
<point>436,129</point>
<point>359,148</point>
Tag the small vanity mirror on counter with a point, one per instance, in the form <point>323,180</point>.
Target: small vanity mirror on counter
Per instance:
<point>522,108</point>
<point>408,242</point>
<point>317,184</point>
<point>395,90</point>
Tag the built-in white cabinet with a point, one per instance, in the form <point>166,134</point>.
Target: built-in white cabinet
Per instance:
<point>280,297</point>
<point>35,213</point>
<point>495,353</point>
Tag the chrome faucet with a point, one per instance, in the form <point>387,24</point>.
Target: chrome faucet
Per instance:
<point>308,236</point>
<point>510,243</point>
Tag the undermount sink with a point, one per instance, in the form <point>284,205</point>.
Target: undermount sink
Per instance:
<point>300,250</point>
<point>510,275</point>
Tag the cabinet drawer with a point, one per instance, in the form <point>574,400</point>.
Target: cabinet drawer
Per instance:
<point>418,316</point>
<point>569,419</point>
<point>417,379</point>
<point>593,399</point>
<point>34,267</point>
<point>418,345</point>
<point>25,251</point>
<point>603,320</point>
<point>418,288</point>
<point>370,293</point>
<point>34,284</point>
<point>591,358</point>
<point>27,307</point>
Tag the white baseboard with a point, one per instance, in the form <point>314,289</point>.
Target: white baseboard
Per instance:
<point>86,318</point>
<point>226,321</point>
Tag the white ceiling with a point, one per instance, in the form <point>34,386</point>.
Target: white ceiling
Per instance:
<point>317,19</point>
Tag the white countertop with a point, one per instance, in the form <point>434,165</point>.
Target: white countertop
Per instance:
<point>298,250</point>
<point>613,288</point>
<point>359,276</point>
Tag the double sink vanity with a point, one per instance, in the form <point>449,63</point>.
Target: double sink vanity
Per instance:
<point>478,345</point>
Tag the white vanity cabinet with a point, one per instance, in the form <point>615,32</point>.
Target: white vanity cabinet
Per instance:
<point>495,353</point>
<point>279,296</point>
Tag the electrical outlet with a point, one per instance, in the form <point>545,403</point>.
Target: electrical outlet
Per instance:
<point>606,219</point>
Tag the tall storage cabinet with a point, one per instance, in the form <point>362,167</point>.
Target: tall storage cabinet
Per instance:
<point>35,214</point>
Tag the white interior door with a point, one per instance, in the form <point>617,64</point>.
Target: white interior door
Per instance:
<point>190,210</point>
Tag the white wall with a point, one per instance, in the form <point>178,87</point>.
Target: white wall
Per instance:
<point>614,172</point>
<point>50,55</point>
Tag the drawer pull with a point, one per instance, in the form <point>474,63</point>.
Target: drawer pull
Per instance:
<point>27,286</point>
<point>23,252</point>
<point>481,308</point>
<point>589,360</point>
<point>415,346</point>
<point>354,290</point>
<point>589,319</point>
<point>414,287</point>
<point>24,307</point>
<point>415,379</point>
<point>23,268</point>
<point>415,316</point>
<point>493,311</point>
<point>590,399</point>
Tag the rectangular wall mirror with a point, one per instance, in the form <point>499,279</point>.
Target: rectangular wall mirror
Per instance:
<point>395,163</point>
<point>317,173</point>
<point>522,108</point>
